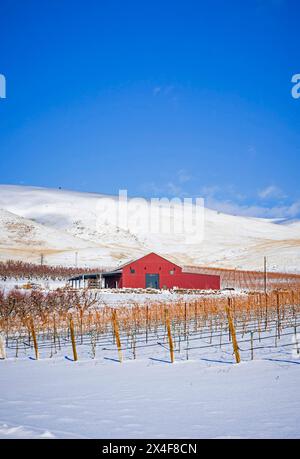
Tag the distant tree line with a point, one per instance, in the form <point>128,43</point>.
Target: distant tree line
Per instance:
<point>21,270</point>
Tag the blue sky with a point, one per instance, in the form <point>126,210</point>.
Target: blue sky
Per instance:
<point>163,98</point>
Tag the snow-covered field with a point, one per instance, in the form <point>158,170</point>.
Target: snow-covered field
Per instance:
<point>44,284</point>
<point>204,394</point>
<point>61,223</point>
<point>150,399</point>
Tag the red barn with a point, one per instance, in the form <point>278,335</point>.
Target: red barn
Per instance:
<point>154,271</point>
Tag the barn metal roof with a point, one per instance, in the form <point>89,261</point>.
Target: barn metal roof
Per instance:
<point>112,273</point>
<point>118,270</point>
<point>86,276</point>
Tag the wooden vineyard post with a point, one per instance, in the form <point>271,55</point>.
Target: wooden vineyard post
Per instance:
<point>265,276</point>
<point>187,348</point>
<point>54,332</point>
<point>278,314</point>
<point>232,332</point>
<point>2,347</point>
<point>117,335</point>
<point>133,345</point>
<point>36,349</point>
<point>296,341</point>
<point>169,335</point>
<point>81,325</point>
<point>266,310</point>
<point>73,339</point>
<point>185,315</point>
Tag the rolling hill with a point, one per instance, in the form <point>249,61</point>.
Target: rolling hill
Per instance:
<point>59,223</point>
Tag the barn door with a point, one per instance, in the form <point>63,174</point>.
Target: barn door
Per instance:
<point>152,281</point>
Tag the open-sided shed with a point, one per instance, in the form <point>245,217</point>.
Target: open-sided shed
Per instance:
<point>155,271</point>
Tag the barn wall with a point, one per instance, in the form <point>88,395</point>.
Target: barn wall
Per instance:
<point>154,264</point>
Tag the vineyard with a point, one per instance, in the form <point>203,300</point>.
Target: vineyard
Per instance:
<point>251,280</point>
<point>76,325</point>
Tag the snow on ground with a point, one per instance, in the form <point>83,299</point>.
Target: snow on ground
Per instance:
<point>207,396</point>
<point>44,284</point>
<point>149,399</point>
<point>61,222</point>
<point>164,296</point>
<point>112,298</point>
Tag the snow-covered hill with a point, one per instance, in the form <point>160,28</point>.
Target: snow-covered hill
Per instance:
<point>60,223</point>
